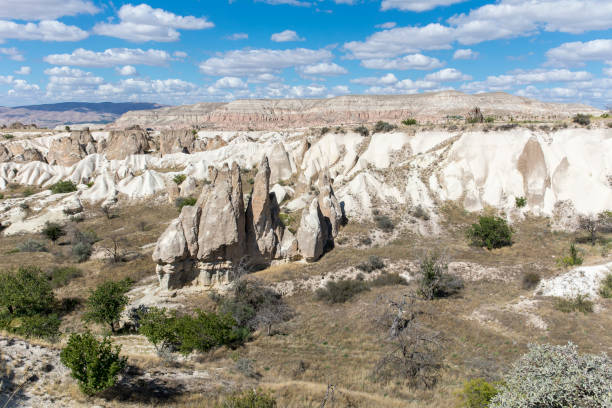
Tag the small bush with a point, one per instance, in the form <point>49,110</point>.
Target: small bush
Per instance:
<point>94,364</point>
<point>489,119</point>
<point>388,279</point>
<point>384,223</point>
<point>520,202</point>
<point>362,130</point>
<point>183,201</point>
<point>106,303</point>
<point>179,178</point>
<point>53,231</point>
<point>44,326</point>
<point>383,127</point>
<point>530,280</point>
<point>27,192</point>
<point>340,291</point>
<point>61,276</point>
<point>367,241</point>
<point>573,259</point>
<point>420,212</point>
<point>582,119</point>
<point>580,303</point>
<point>8,136</point>
<point>245,366</point>
<point>409,122</point>
<point>373,263</point>
<point>249,399</point>
<point>477,393</point>
<point>32,246</point>
<point>490,232</point>
<point>434,280</point>
<point>324,131</point>
<point>82,251</point>
<point>605,288</point>
<point>556,376</point>
<point>62,187</point>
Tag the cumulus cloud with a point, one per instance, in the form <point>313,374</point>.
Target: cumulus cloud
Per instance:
<point>143,23</point>
<point>286,36</point>
<point>237,36</point>
<point>126,70</point>
<point>447,75</point>
<point>261,61</point>
<point>416,5</point>
<point>6,79</point>
<point>465,54</point>
<point>110,57</point>
<point>576,53</point>
<point>46,30</point>
<point>230,83</point>
<point>24,71</point>
<point>508,81</point>
<point>387,25</point>
<point>44,10</point>
<point>412,61</point>
<point>322,68</point>
<point>13,53</point>
<point>387,79</point>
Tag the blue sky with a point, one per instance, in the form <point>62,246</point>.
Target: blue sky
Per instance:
<point>216,50</point>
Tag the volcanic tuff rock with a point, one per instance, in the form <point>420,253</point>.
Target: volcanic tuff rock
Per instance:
<point>351,109</point>
<point>127,142</point>
<point>67,151</point>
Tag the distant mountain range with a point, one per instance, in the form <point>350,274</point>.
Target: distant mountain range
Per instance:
<point>67,113</point>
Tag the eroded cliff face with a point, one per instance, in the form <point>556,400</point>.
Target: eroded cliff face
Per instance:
<point>295,113</point>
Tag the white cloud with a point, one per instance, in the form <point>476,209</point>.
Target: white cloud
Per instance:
<point>608,71</point>
<point>387,79</point>
<point>289,2</point>
<point>261,61</point>
<point>46,30</point>
<point>387,25</point>
<point>447,75</point>
<point>6,79</point>
<point>143,23</point>
<point>179,54</point>
<point>508,81</point>
<point>576,53</point>
<point>230,83</point>
<point>465,54</point>
<point>110,58</point>
<point>412,61</point>
<point>13,53</point>
<point>126,70</point>
<point>286,36</point>
<point>24,71</point>
<point>237,36</point>
<point>322,68</point>
<point>23,85</point>
<point>44,10</point>
<point>341,90</point>
<point>416,5</point>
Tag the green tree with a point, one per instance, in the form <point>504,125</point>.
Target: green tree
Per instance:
<point>26,292</point>
<point>94,364</point>
<point>106,303</point>
<point>491,232</point>
<point>159,328</point>
<point>53,231</point>
<point>477,393</point>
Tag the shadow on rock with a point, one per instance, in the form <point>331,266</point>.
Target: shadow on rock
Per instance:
<point>137,386</point>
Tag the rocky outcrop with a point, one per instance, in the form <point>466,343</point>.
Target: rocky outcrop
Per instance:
<point>312,235</point>
<point>5,154</point>
<point>329,205</point>
<point>177,141</point>
<point>122,143</point>
<point>29,155</point>
<point>70,150</point>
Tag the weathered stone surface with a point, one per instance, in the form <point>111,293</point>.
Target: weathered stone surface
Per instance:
<point>122,143</point>
<point>188,187</point>
<point>312,234</point>
<point>173,192</point>
<point>329,205</point>
<point>171,246</point>
<point>176,141</point>
<point>66,152</point>
<point>280,164</point>
<point>5,154</point>
<point>190,220</point>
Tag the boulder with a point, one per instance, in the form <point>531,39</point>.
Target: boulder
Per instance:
<point>171,246</point>
<point>312,235</point>
<point>123,143</point>
<point>5,154</point>
<point>66,152</point>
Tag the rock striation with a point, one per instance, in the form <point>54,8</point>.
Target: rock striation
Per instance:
<point>218,237</point>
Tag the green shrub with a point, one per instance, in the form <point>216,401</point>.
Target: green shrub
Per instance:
<point>27,192</point>
<point>409,122</point>
<point>573,259</point>
<point>106,303</point>
<point>249,399</point>
<point>434,280</point>
<point>60,276</point>
<point>491,232</point>
<point>489,119</point>
<point>362,130</point>
<point>605,288</point>
<point>477,393</point>
<point>32,246</point>
<point>340,291</point>
<point>25,292</point>
<point>520,202</point>
<point>579,303</point>
<point>158,327</point>
<point>556,376</point>
<point>82,251</point>
<point>582,119</point>
<point>45,326</point>
<point>8,136</point>
<point>53,231</point>
<point>530,280</point>
<point>63,187</point>
<point>388,279</point>
<point>373,263</point>
<point>179,178</point>
<point>324,130</point>
<point>94,364</point>
<point>383,127</point>
<point>384,223</point>
<point>183,201</point>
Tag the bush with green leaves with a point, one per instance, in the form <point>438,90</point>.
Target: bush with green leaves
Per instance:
<point>477,393</point>
<point>490,232</point>
<point>60,275</point>
<point>373,263</point>
<point>582,119</point>
<point>249,399</point>
<point>409,122</point>
<point>520,202</point>
<point>383,127</point>
<point>61,187</point>
<point>605,288</point>
<point>579,303</point>
<point>53,231</point>
<point>95,365</point>
<point>183,201</point>
<point>387,279</point>
<point>551,376</point>
<point>341,291</point>
<point>384,222</point>
<point>434,280</point>
<point>32,245</point>
<point>573,259</point>
<point>106,303</point>
<point>82,251</point>
<point>179,178</point>
<point>362,130</point>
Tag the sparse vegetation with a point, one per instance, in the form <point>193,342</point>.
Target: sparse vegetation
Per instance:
<point>249,399</point>
<point>387,279</point>
<point>605,288</point>
<point>384,223</point>
<point>434,280</point>
<point>324,131</point>
<point>106,303</point>
<point>420,212</point>
<point>31,245</point>
<point>579,303</point>
<point>373,263</point>
<point>490,232</point>
<point>179,178</point>
<point>477,393</point>
<point>409,122</point>
<point>520,202</point>
<point>573,259</point>
<point>183,201</point>
<point>383,127</point>
<point>95,364</point>
<point>61,276</point>
<point>362,130</point>
<point>530,280</point>
<point>8,136</point>
<point>489,119</point>
<point>340,291</point>
<point>582,119</point>
<point>551,376</point>
<point>53,231</point>
<point>62,187</point>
